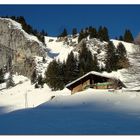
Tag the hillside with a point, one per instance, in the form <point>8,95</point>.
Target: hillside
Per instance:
<point>59,49</point>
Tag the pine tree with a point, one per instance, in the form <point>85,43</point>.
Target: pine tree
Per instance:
<point>121,51</point>
<point>93,33</point>
<point>10,81</point>
<point>95,64</point>
<point>64,33</point>
<point>122,61</point>
<point>128,37</point>
<point>121,38</point>
<point>81,35</point>
<point>86,61</point>
<point>103,34</point>
<point>43,32</point>
<point>111,57</point>
<point>72,71</point>
<point>40,81</point>
<point>34,77</point>
<point>54,75</point>
<point>100,33</point>
<point>90,29</point>
<point>1,76</point>
<point>74,32</point>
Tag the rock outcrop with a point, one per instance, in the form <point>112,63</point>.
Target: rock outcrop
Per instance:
<point>17,48</point>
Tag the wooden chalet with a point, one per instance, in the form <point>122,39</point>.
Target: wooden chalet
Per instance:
<point>94,80</point>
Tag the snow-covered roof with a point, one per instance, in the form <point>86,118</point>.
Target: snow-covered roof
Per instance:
<point>93,73</point>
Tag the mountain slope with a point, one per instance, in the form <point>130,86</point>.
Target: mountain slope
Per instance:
<point>59,49</point>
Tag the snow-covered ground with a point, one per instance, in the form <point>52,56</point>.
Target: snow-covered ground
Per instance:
<point>88,112</point>
<point>24,95</point>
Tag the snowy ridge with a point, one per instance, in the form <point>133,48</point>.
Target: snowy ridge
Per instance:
<point>15,25</point>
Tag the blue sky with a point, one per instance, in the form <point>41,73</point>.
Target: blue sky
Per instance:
<point>53,18</point>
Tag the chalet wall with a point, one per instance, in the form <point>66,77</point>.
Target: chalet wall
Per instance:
<point>77,89</point>
<point>85,84</point>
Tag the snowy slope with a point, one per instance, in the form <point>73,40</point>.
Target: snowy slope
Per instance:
<point>59,49</point>
<point>56,49</point>
<point>88,112</point>
<point>131,75</point>
<point>24,95</point>
<point>130,47</point>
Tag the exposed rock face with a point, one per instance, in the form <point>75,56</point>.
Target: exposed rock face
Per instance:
<point>18,47</point>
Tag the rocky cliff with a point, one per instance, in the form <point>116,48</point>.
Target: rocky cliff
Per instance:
<point>17,48</point>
